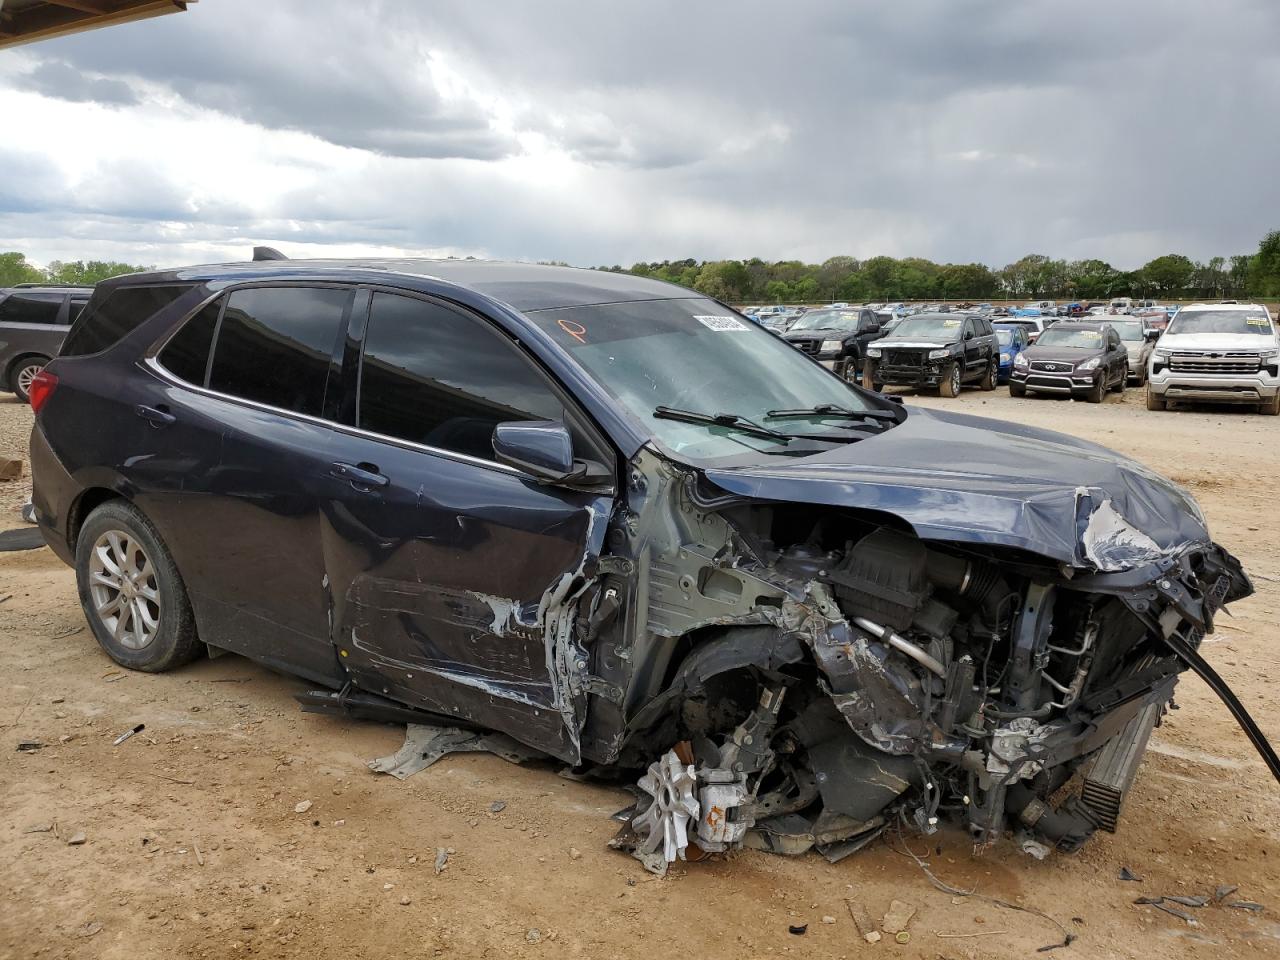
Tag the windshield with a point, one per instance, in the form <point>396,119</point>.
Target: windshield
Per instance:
<point>1057,336</point>
<point>1130,330</point>
<point>1221,321</point>
<point>828,320</point>
<point>691,354</point>
<point>927,326</point>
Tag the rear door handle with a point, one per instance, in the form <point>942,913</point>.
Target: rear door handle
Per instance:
<point>157,417</point>
<point>363,477</point>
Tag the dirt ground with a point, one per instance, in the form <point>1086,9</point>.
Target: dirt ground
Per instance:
<point>192,846</point>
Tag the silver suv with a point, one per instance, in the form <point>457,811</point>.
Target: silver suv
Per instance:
<point>1220,353</point>
<point>34,320</point>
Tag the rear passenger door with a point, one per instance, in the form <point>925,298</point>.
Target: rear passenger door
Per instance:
<point>450,571</point>
<point>230,458</point>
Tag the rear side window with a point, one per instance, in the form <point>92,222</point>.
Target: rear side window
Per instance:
<point>121,312</point>
<point>433,376</point>
<point>275,345</point>
<point>30,308</point>
<point>76,308</point>
<point>186,355</point>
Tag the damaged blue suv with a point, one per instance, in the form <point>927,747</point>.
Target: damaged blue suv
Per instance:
<point>615,521</point>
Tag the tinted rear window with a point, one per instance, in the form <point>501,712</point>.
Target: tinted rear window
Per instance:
<point>30,308</point>
<point>121,312</point>
<point>275,345</point>
<point>186,356</point>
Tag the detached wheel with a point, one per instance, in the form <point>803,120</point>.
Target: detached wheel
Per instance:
<point>950,387</point>
<point>23,373</point>
<point>989,379</point>
<point>1017,389</point>
<point>1270,408</point>
<point>131,592</point>
<point>1154,400</point>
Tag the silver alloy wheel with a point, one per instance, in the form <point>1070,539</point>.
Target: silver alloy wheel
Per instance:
<point>126,595</point>
<point>26,375</point>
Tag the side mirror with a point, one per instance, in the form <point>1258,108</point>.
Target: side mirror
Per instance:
<point>1152,335</point>
<point>544,449</point>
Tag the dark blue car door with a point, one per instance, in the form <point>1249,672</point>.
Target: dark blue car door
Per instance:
<point>229,460</point>
<point>453,577</point>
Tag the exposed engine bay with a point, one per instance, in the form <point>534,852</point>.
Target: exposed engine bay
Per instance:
<point>807,676</point>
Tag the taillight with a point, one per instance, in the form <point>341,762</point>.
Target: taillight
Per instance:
<point>42,386</point>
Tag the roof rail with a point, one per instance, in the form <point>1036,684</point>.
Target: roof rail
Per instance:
<point>268,253</point>
<point>79,286</point>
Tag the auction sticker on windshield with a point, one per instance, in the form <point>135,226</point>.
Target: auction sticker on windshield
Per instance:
<point>722,324</point>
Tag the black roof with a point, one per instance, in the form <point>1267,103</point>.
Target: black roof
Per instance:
<point>51,287</point>
<point>524,286</point>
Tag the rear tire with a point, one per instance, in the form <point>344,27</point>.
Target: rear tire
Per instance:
<point>1017,389</point>
<point>1121,383</point>
<point>989,379</point>
<point>950,386</point>
<point>23,373</point>
<point>131,592</point>
<point>1155,401</point>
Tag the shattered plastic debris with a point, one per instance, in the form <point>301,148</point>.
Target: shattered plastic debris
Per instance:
<point>1127,874</point>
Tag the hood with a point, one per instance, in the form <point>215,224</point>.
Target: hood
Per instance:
<point>1216,341</point>
<point>819,333</point>
<point>915,342</point>
<point>1060,354</point>
<point>969,479</point>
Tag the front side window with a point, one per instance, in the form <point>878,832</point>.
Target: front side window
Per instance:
<point>434,376</point>
<point>275,345</point>
<point>30,308</point>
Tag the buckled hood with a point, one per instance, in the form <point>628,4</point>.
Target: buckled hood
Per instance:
<point>970,479</point>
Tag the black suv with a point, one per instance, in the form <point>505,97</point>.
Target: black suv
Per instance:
<point>34,319</point>
<point>943,350</point>
<point>837,337</point>
<point>606,515</point>
<point>1072,357</point>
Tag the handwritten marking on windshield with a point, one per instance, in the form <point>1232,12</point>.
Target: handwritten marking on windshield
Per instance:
<point>574,329</point>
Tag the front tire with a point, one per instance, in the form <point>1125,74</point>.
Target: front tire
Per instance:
<point>1155,401</point>
<point>868,379</point>
<point>1097,391</point>
<point>950,387</point>
<point>24,371</point>
<point>1017,389</point>
<point>131,592</point>
<point>1270,408</point>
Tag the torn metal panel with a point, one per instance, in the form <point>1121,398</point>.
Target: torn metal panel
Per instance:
<point>425,744</point>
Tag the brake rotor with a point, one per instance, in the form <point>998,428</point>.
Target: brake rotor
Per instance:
<point>663,828</point>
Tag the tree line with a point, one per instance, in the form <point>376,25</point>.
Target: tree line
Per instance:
<point>16,269</point>
<point>1035,276</point>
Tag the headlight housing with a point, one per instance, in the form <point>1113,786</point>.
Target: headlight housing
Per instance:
<point>939,354</point>
<point>1163,353</point>
<point>873,353</point>
<point>1020,360</point>
<point>1089,364</point>
<point>1269,354</point>
<point>832,346</point>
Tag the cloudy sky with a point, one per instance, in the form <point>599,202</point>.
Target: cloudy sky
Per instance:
<point>608,132</point>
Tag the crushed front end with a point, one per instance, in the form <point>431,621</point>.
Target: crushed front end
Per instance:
<point>826,673</point>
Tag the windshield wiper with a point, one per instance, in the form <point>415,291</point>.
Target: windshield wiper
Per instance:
<point>720,420</point>
<point>832,410</point>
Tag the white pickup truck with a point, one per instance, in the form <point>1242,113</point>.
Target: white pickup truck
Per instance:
<point>1218,353</point>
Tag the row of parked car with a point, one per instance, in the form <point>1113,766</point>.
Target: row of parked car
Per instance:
<point>1225,352</point>
<point>34,320</point>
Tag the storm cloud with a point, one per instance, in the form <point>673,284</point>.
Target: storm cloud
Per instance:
<point>608,133</point>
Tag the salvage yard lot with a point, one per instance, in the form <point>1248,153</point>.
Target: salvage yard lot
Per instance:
<point>226,758</point>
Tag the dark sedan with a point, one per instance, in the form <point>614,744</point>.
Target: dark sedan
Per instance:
<point>1082,360</point>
